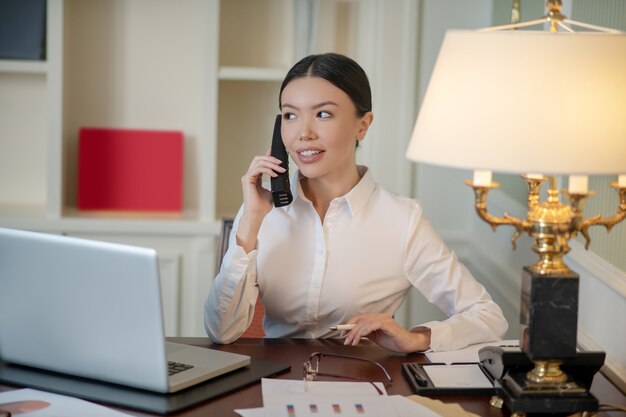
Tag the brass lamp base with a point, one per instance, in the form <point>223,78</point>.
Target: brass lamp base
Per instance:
<point>547,371</point>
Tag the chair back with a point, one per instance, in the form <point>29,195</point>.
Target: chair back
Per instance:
<point>256,327</point>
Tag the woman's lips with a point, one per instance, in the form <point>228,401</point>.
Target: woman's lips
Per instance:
<point>309,155</point>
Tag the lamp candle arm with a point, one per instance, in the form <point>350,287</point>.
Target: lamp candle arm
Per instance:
<point>550,223</point>
<point>480,194</point>
<point>534,189</point>
<point>607,222</point>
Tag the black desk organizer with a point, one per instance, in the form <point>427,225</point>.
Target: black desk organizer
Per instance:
<point>425,386</point>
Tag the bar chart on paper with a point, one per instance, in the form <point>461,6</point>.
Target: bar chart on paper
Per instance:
<point>287,398</point>
<point>345,408</point>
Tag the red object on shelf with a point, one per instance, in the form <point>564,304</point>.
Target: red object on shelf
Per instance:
<point>124,169</point>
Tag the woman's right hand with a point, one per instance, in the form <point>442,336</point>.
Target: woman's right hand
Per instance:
<point>257,201</point>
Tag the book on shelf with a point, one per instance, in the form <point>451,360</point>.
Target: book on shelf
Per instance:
<point>130,170</point>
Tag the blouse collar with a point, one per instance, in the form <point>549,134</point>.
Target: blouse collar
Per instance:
<point>356,198</point>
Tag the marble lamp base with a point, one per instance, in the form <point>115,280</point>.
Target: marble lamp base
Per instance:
<point>549,315</point>
<point>560,381</point>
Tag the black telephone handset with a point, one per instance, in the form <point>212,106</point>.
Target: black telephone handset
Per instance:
<point>499,361</point>
<point>281,190</point>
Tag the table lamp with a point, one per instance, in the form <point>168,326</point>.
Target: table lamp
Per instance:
<point>542,104</point>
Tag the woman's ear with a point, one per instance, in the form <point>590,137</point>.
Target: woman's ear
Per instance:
<point>364,124</point>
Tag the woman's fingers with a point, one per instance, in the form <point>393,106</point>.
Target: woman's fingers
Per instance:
<point>380,328</point>
<point>257,199</point>
<point>383,330</point>
<point>360,332</point>
<point>364,325</point>
<point>263,165</point>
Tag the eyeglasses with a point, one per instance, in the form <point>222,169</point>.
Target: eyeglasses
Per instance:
<point>311,370</point>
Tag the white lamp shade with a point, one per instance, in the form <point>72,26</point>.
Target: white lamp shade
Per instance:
<point>522,101</point>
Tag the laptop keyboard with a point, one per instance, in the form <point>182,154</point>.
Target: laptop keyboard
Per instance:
<point>176,367</point>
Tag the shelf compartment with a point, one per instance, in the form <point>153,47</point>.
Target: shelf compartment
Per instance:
<point>256,33</point>
<point>149,73</point>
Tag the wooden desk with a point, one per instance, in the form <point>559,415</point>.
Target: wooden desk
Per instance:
<point>296,351</point>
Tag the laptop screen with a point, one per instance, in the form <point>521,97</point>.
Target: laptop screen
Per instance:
<point>82,307</point>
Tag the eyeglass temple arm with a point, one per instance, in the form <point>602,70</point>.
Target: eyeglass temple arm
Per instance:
<point>338,355</point>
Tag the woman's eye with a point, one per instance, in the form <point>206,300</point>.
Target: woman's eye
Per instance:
<point>323,114</point>
<point>289,116</point>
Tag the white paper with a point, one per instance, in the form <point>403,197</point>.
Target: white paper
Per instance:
<point>45,404</point>
<point>276,391</point>
<point>457,376</point>
<point>257,412</point>
<point>409,408</point>
<point>468,354</point>
<point>279,393</point>
<point>325,406</point>
<point>323,398</point>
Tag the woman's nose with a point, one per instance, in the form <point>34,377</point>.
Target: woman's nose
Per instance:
<point>307,133</point>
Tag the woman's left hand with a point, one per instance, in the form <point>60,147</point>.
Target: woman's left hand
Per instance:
<point>386,332</point>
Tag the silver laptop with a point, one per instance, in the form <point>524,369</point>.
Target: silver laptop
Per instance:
<point>93,309</point>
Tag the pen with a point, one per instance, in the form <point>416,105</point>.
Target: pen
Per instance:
<point>419,379</point>
<point>342,327</point>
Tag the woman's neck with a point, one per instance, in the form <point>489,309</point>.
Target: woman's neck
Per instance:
<point>321,191</point>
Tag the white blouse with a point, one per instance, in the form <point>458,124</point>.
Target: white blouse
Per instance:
<point>372,247</point>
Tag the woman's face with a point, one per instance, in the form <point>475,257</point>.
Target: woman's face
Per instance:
<point>320,127</point>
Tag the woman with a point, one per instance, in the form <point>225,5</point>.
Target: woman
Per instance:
<point>345,250</point>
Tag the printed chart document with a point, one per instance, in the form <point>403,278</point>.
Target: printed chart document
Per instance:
<point>29,402</point>
<point>287,398</point>
<point>321,406</point>
<point>323,398</point>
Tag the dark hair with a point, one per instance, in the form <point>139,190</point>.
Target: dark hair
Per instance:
<point>343,72</point>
